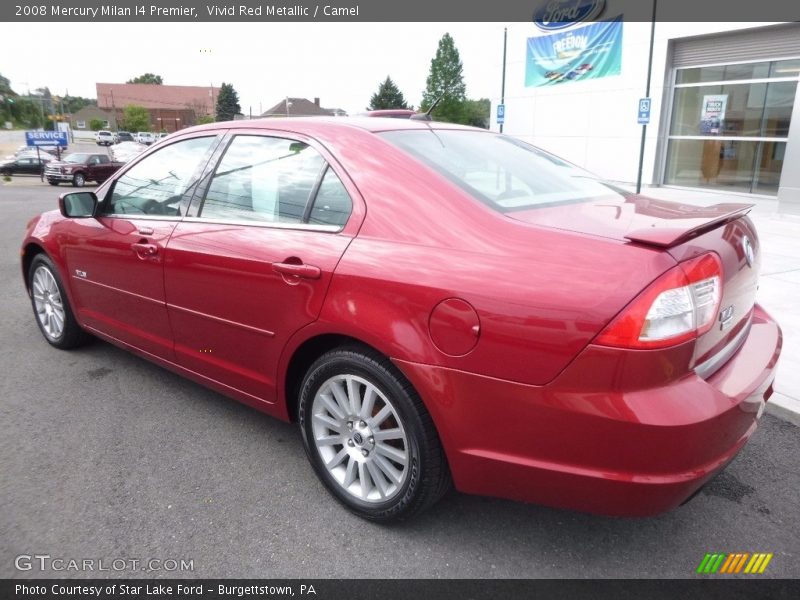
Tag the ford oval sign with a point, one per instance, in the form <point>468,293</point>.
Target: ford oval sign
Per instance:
<point>560,14</point>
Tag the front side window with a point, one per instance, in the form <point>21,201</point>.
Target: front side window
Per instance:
<point>157,184</point>
<point>275,180</point>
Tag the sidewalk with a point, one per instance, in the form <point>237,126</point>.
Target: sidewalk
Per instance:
<point>779,284</point>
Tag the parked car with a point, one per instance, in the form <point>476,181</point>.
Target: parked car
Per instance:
<point>145,137</point>
<point>50,150</point>
<point>125,151</point>
<point>124,136</point>
<point>105,138</point>
<point>431,303</point>
<point>23,165</point>
<point>46,153</point>
<point>79,168</point>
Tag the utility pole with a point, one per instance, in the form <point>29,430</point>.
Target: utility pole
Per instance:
<point>646,95</point>
<point>503,85</point>
<point>114,111</point>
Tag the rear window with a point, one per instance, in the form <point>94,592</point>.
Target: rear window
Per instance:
<point>502,172</point>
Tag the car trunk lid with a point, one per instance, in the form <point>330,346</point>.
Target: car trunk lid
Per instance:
<point>683,231</point>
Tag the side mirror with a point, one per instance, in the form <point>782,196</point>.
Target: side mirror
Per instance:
<point>78,205</point>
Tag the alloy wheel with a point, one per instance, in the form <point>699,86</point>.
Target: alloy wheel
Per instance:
<point>360,438</point>
<point>48,302</point>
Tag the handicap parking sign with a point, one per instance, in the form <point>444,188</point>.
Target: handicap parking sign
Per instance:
<point>644,111</point>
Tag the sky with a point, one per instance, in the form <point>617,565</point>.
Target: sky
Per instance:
<point>341,63</point>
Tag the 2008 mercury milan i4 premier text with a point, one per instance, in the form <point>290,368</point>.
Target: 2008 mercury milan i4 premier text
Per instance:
<point>431,303</point>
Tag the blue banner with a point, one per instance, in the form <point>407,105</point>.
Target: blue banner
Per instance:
<point>587,52</point>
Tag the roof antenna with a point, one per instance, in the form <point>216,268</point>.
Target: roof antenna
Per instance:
<point>426,116</point>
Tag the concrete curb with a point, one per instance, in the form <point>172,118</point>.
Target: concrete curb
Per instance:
<point>785,408</point>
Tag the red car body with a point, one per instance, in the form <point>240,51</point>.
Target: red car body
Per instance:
<point>493,318</point>
<point>392,113</point>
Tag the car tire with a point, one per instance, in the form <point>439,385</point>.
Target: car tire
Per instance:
<point>51,307</point>
<point>78,180</point>
<point>380,456</point>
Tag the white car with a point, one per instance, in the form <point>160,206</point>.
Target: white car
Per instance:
<point>105,138</point>
<point>126,151</point>
<point>145,137</point>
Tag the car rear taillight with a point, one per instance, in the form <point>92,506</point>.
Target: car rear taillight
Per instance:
<point>680,305</point>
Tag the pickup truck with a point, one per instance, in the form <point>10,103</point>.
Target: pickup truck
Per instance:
<point>80,167</point>
<point>105,138</point>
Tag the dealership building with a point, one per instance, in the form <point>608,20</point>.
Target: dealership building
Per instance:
<point>722,101</point>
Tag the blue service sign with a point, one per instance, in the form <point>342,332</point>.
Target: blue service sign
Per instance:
<point>46,138</point>
<point>644,111</point>
<point>501,113</point>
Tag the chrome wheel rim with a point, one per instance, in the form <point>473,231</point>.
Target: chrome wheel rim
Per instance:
<point>360,438</point>
<point>48,303</point>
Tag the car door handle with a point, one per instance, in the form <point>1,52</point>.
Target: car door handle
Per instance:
<point>298,270</point>
<point>145,250</point>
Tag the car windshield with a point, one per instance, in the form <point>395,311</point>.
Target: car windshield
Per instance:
<point>502,172</point>
<point>76,158</point>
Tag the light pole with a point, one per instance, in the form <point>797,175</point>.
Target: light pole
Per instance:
<point>503,85</point>
<point>646,95</point>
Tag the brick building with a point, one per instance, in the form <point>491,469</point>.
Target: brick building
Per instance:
<point>171,107</point>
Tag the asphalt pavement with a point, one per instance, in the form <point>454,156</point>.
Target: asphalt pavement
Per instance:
<point>106,456</point>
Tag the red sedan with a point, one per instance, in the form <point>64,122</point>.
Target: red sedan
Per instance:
<point>433,304</point>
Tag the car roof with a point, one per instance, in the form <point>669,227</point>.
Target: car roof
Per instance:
<point>313,126</point>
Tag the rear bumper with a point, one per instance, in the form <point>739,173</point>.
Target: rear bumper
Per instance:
<point>631,452</point>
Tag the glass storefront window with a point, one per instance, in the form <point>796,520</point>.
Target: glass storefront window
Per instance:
<point>785,68</point>
<point>739,166</point>
<point>723,73</point>
<point>737,110</point>
<point>726,105</point>
<point>742,109</point>
<point>757,70</point>
<point>778,108</point>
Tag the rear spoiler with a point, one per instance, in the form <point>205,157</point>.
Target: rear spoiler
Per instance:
<point>666,237</point>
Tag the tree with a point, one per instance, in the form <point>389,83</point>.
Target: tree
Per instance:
<point>95,124</point>
<point>147,78</point>
<point>22,112</point>
<point>446,81</point>
<point>205,119</point>
<point>227,103</point>
<point>135,118</point>
<point>387,96</point>
<point>477,112</point>
<point>46,98</point>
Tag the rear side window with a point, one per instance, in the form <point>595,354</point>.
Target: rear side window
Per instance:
<point>275,180</point>
<point>332,205</point>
